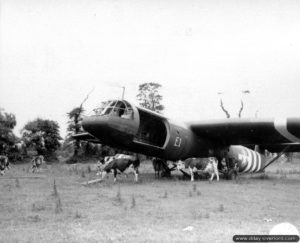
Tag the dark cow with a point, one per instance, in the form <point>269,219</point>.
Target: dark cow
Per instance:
<point>161,167</point>
<point>207,165</point>
<point>4,164</point>
<point>119,163</point>
<point>158,166</point>
<point>37,161</point>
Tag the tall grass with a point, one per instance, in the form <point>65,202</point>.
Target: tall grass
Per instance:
<point>133,203</point>
<point>17,183</point>
<point>194,187</point>
<point>55,192</point>
<point>58,206</point>
<point>118,199</point>
<point>221,208</point>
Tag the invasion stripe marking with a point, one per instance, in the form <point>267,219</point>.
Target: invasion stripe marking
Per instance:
<point>249,160</point>
<point>281,126</point>
<point>244,161</point>
<point>241,155</point>
<point>254,161</point>
<point>259,162</point>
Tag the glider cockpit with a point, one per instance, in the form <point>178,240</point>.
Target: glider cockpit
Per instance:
<point>120,108</point>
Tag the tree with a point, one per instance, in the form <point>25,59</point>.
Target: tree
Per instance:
<point>7,137</point>
<point>74,126</point>
<point>75,117</point>
<point>149,96</point>
<point>43,136</point>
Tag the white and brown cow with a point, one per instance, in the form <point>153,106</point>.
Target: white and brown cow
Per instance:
<point>206,165</point>
<point>106,160</point>
<point>37,161</point>
<point>119,163</point>
<point>4,164</point>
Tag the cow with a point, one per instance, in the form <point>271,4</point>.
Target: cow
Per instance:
<point>119,163</point>
<point>37,161</point>
<point>161,167</point>
<point>158,166</point>
<point>207,165</point>
<point>4,164</point>
<point>105,160</point>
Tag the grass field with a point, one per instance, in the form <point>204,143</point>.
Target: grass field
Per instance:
<point>33,209</point>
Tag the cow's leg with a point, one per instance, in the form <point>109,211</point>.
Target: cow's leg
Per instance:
<point>136,175</point>
<point>115,175</point>
<point>192,174</point>
<point>217,174</point>
<point>215,169</point>
<point>212,176</point>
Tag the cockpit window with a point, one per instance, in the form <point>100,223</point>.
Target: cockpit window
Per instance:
<point>115,108</point>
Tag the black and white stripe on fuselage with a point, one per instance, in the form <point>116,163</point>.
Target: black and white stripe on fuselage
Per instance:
<point>248,160</point>
<point>281,125</point>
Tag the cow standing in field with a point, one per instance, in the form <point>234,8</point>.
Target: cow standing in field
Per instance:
<point>119,163</point>
<point>4,164</point>
<point>207,165</point>
<point>161,167</point>
<point>37,161</point>
<point>157,166</point>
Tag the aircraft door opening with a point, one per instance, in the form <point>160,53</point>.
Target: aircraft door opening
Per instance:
<point>152,130</point>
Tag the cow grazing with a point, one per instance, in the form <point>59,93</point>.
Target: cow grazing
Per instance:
<point>207,165</point>
<point>107,159</point>
<point>37,161</point>
<point>102,163</point>
<point>119,163</point>
<point>4,164</point>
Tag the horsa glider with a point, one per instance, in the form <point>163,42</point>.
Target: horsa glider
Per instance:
<point>123,125</point>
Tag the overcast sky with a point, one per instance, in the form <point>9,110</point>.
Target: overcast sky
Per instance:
<point>53,53</point>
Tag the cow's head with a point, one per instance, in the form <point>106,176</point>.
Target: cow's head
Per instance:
<point>106,159</point>
<point>180,165</point>
<point>213,160</point>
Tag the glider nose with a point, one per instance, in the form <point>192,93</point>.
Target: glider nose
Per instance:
<point>95,124</point>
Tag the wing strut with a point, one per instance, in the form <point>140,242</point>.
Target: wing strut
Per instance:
<point>274,159</point>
